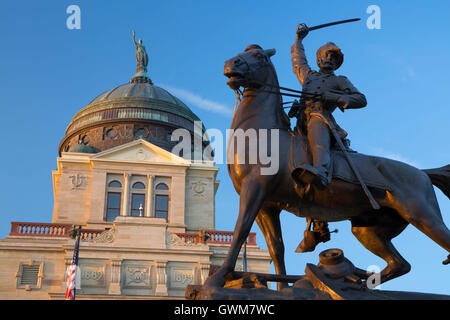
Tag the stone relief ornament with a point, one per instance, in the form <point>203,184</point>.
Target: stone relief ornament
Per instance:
<point>199,188</point>
<point>183,276</point>
<point>140,154</point>
<point>174,240</point>
<point>107,236</point>
<point>92,276</point>
<point>78,181</point>
<point>137,276</point>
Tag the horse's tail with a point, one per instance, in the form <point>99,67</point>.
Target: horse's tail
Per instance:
<point>440,177</point>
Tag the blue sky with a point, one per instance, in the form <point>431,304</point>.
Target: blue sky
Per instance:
<point>49,72</point>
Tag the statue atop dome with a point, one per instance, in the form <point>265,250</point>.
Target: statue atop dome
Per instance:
<point>141,55</point>
<point>142,62</point>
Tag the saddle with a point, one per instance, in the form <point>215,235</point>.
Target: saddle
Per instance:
<point>370,168</point>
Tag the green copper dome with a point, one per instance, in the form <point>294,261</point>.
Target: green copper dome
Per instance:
<point>143,101</point>
<point>135,110</point>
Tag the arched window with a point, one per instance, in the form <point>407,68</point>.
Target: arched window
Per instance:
<point>115,184</point>
<point>137,200</point>
<point>138,185</point>
<point>162,201</point>
<point>113,200</point>
<point>162,186</point>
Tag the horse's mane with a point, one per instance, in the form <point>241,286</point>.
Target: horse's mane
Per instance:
<point>283,116</point>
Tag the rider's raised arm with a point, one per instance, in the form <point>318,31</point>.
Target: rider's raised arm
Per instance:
<point>299,62</point>
<point>355,99</point>
<point>134,39</point>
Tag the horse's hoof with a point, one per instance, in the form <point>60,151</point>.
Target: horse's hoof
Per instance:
<point>447,261</point>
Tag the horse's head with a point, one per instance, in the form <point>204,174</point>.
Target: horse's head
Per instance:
<point>249,68</point>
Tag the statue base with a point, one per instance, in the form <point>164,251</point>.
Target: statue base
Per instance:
<point>334,278</point>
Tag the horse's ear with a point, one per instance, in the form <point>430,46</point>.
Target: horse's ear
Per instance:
<point>270,52</point>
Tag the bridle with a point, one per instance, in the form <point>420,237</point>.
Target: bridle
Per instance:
<point>252,67</point>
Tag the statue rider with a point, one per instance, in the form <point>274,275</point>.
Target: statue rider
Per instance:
<point>313,113</point>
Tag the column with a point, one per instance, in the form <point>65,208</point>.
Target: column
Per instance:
<point>161,279</point>
<point>126,188</point>
<point>149,203</point>
<point>114,286</point>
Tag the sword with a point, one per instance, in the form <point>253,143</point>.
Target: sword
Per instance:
<point>320,26</point>
<point>369,195</point>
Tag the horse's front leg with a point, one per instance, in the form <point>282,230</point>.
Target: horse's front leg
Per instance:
<point>268,220</point>
<point>252,197</point>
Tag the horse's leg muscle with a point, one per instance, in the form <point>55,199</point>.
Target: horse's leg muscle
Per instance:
<point>377,239</point>
<point>268,220</point>
<point>424,215</point>
<point>251,199</point>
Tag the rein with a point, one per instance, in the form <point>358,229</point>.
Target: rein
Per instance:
<point>239,93</point>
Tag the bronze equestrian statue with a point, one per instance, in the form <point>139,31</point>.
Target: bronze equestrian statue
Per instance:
<point>405,193</point>
<point>333,92</point>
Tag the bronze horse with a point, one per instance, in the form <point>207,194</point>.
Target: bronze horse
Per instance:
<point>262,197</point>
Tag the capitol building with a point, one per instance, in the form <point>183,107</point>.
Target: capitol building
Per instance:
<point>147,214</point>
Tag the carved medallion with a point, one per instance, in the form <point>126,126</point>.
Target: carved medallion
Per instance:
<point>199,188</point>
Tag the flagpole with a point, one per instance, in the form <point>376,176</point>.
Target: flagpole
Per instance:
<point>72,272</point>
<point>244,258</point>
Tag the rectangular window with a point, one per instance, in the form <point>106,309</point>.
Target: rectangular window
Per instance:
<point>161,206</point>
<point>137,204</point>
<point>113,206</point>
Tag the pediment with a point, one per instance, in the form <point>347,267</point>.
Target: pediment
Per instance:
<point>140,151</point>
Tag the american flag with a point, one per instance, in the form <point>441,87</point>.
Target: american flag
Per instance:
<point>72,273</point>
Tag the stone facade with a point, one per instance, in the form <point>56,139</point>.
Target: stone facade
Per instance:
<point>148,251</point>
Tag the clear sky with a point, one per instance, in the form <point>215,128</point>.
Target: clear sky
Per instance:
<point>48,73</point>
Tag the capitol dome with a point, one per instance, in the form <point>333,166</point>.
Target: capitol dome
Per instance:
<point>135,110</point>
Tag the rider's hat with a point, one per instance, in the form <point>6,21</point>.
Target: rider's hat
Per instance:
<point>330,46</point>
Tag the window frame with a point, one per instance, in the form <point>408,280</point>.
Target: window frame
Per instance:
<point>39,275</point>
<point>107,204</point>
<point>131,204</point>
<point>156,203</point>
